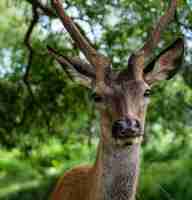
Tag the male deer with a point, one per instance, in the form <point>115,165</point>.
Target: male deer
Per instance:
<point>122,100</point>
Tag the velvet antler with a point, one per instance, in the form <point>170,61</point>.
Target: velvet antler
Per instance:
<point>138,61</point>
<point>99,61</point>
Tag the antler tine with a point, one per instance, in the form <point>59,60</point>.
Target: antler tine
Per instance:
<point>75,62</point>
<point>99,61</point>
<point>143,56</point>
<point>155,36</point>
<point>72,29</point>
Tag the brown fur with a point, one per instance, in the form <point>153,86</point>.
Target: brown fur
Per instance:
<point>73,185</point>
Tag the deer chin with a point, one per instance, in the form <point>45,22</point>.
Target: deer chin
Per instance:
<point>128,141</point>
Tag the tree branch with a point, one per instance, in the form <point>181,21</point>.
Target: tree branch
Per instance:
<point>46,10</point>
<point>27,40</point>
<point>30,59</point>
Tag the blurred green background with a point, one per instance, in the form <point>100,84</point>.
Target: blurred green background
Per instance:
<point>43,134</point>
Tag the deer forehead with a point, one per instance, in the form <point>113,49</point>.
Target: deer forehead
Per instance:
<point>132,88</point>
<point>128,98</point>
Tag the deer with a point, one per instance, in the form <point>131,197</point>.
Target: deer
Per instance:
<point>122,98</point>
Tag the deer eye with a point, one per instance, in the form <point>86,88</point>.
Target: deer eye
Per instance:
<point>147,93</point>
<point>97,98</point>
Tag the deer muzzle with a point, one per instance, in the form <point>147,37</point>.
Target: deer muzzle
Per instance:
<point>126,128</point>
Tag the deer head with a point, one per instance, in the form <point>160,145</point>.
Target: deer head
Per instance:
<point>122,97</point>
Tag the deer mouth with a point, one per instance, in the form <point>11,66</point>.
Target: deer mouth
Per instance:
<point>129,141</point>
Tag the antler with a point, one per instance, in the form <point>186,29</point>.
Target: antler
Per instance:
<point>138,61</point>
<point>99,61</point>
<point>155,36</point>
<point>73,62</point>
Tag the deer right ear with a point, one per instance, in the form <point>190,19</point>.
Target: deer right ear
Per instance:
<point>167,64</point>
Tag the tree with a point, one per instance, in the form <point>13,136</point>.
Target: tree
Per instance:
<point>36,103</point>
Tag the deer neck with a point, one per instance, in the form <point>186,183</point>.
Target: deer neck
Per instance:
<point>116,169</point>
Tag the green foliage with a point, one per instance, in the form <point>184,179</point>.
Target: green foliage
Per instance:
<point>166,180</point>
<point>44,134</point>
<point>28,170</point>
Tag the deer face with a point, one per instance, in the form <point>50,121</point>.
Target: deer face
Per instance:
<point>128,109</point>
<point>125,107</point>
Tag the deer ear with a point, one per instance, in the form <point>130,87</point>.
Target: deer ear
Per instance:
<point>166,65</point>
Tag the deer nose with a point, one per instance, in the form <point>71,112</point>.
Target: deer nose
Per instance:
<point>133,124</point>
<point>126,128</point>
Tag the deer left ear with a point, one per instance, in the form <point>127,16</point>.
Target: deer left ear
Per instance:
<point>167,64</point>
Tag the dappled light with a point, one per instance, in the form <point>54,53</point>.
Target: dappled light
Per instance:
<point>49,122</point>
